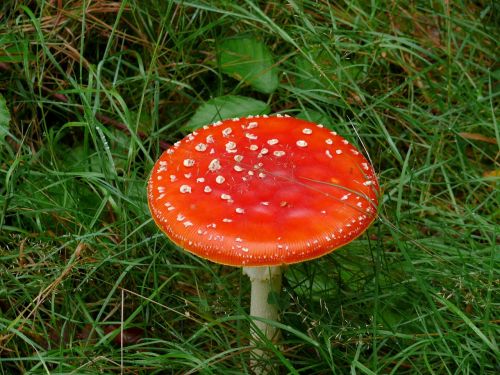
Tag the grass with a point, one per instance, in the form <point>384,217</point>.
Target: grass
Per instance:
<point>95,91</point>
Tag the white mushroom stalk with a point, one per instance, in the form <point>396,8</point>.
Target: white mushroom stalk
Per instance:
<point>264,280</point>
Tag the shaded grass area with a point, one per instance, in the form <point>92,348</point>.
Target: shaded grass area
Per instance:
<point>95,91</point>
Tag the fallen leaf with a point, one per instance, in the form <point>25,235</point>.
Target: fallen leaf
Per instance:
<point>130,335</point>
<point>494,175</point>
<point>478,137</point>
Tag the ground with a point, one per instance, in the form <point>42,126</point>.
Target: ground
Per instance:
<point>91,93</point>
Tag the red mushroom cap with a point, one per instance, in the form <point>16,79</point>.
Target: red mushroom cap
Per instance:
<point>262,191</point>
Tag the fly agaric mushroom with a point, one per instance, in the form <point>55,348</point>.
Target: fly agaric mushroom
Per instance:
<point>261,192</point>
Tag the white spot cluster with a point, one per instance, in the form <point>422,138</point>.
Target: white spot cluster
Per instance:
<point>301,143</point>
<point>263,152</point>
<point>251,136</point>
<point>272,142</point>
<point>185,189</point>
<point>188,162</point>
<point>230,146</point>
<point>214,165</point>
<point>200,147</point>
<point>163,166</point>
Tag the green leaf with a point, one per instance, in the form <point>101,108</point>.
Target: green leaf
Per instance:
<point>224,107</point>
<point>250,61</point>
<point>4,118</point>
<point>14,50</point>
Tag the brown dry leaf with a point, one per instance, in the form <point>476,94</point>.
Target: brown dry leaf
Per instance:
<point>478,137</point>
<point>130,335</point>
<point>492,174</point>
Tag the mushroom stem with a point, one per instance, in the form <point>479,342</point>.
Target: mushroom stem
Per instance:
<point>264,281</point>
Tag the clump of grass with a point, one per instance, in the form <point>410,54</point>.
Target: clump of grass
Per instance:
<point>95,91</point>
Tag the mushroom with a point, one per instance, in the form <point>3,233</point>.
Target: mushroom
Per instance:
<point>261,192</point>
